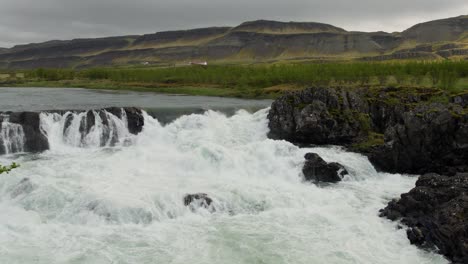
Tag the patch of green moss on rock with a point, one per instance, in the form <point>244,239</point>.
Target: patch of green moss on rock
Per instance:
<point>373,140</point>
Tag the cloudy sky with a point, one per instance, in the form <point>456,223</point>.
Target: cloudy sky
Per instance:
<point>25,21</point>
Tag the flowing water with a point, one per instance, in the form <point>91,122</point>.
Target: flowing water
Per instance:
<point>119,198</point>
<point>11,137</point>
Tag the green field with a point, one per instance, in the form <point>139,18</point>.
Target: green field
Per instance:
<point>255,80</point>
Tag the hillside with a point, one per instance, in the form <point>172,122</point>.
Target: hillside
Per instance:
<point>250,42</point>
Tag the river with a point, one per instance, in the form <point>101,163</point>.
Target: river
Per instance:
<point>88,202</point>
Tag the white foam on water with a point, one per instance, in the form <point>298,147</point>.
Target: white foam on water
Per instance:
<point>125,204</point>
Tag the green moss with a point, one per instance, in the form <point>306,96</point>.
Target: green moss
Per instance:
<point>373,140</point>
<point>442,98</point>
<point>364,122</point>
<point>301,106</point>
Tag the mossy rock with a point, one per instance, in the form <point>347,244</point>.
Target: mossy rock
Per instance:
<point>372,140</point>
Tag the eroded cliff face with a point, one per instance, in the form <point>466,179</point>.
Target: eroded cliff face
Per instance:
<point>401,130</point>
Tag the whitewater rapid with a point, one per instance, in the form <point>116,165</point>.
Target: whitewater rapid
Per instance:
<point>122,202</point>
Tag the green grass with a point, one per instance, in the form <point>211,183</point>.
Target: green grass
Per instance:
<point>460,86</point>
<point>256,80</point>
<point>107,85</point>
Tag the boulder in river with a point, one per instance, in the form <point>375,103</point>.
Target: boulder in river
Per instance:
<point>436,214</point>
<point>198,199</point>
<point>317,170</point>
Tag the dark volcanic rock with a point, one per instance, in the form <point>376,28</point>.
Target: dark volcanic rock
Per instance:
<point>461,99</point>
<point>134,115</point>
<point>198,199</point>
<point>436,213</point>
<point>401,130</point>
<point>317,170</point>
<point>416,136</point>
<point>318,116</point>
<point>430,138</point>
<point>135,120</point>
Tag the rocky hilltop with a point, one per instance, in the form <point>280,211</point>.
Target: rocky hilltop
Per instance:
<point>255,41</point>
<point>401,130</point>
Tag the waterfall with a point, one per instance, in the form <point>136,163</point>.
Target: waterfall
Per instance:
<point>91,205</point>
<point>78,129</point>
<point>88,129</point>
<point>11,137</point>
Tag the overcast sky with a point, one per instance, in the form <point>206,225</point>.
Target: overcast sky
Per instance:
<point>26,21</point>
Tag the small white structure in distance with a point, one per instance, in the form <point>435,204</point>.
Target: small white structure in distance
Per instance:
<point>202,63</point>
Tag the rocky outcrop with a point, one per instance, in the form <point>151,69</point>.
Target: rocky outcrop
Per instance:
<point>134,115</point>
<point>401,130</point>
<point>461,99</point>
<point>317,170</point>
<point>429,138</point>
<point>436,212</point>
<point>317,116</point>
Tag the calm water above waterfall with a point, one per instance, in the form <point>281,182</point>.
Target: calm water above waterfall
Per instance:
<point>101,194</point>
<point>38,99</point>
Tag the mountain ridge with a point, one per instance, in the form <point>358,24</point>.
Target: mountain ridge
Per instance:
<point>250,42</point>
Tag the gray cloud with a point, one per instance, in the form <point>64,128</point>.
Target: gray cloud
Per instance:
<point>25,21</point>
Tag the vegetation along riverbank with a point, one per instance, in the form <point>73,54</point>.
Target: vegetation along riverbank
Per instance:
<point>251,81</point>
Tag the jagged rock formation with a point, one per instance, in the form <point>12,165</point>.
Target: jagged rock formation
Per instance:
<point>436,212</point>
<point>317,170</point>
<point>430,138</point>
<point>401,130</point>
<point>260,40</point>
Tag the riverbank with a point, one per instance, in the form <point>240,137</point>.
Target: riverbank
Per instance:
<point>201,90</point>
<point>251,81</point>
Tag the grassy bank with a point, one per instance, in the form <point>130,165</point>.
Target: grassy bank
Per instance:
<point>140,87</point>
<point>267,81</point>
